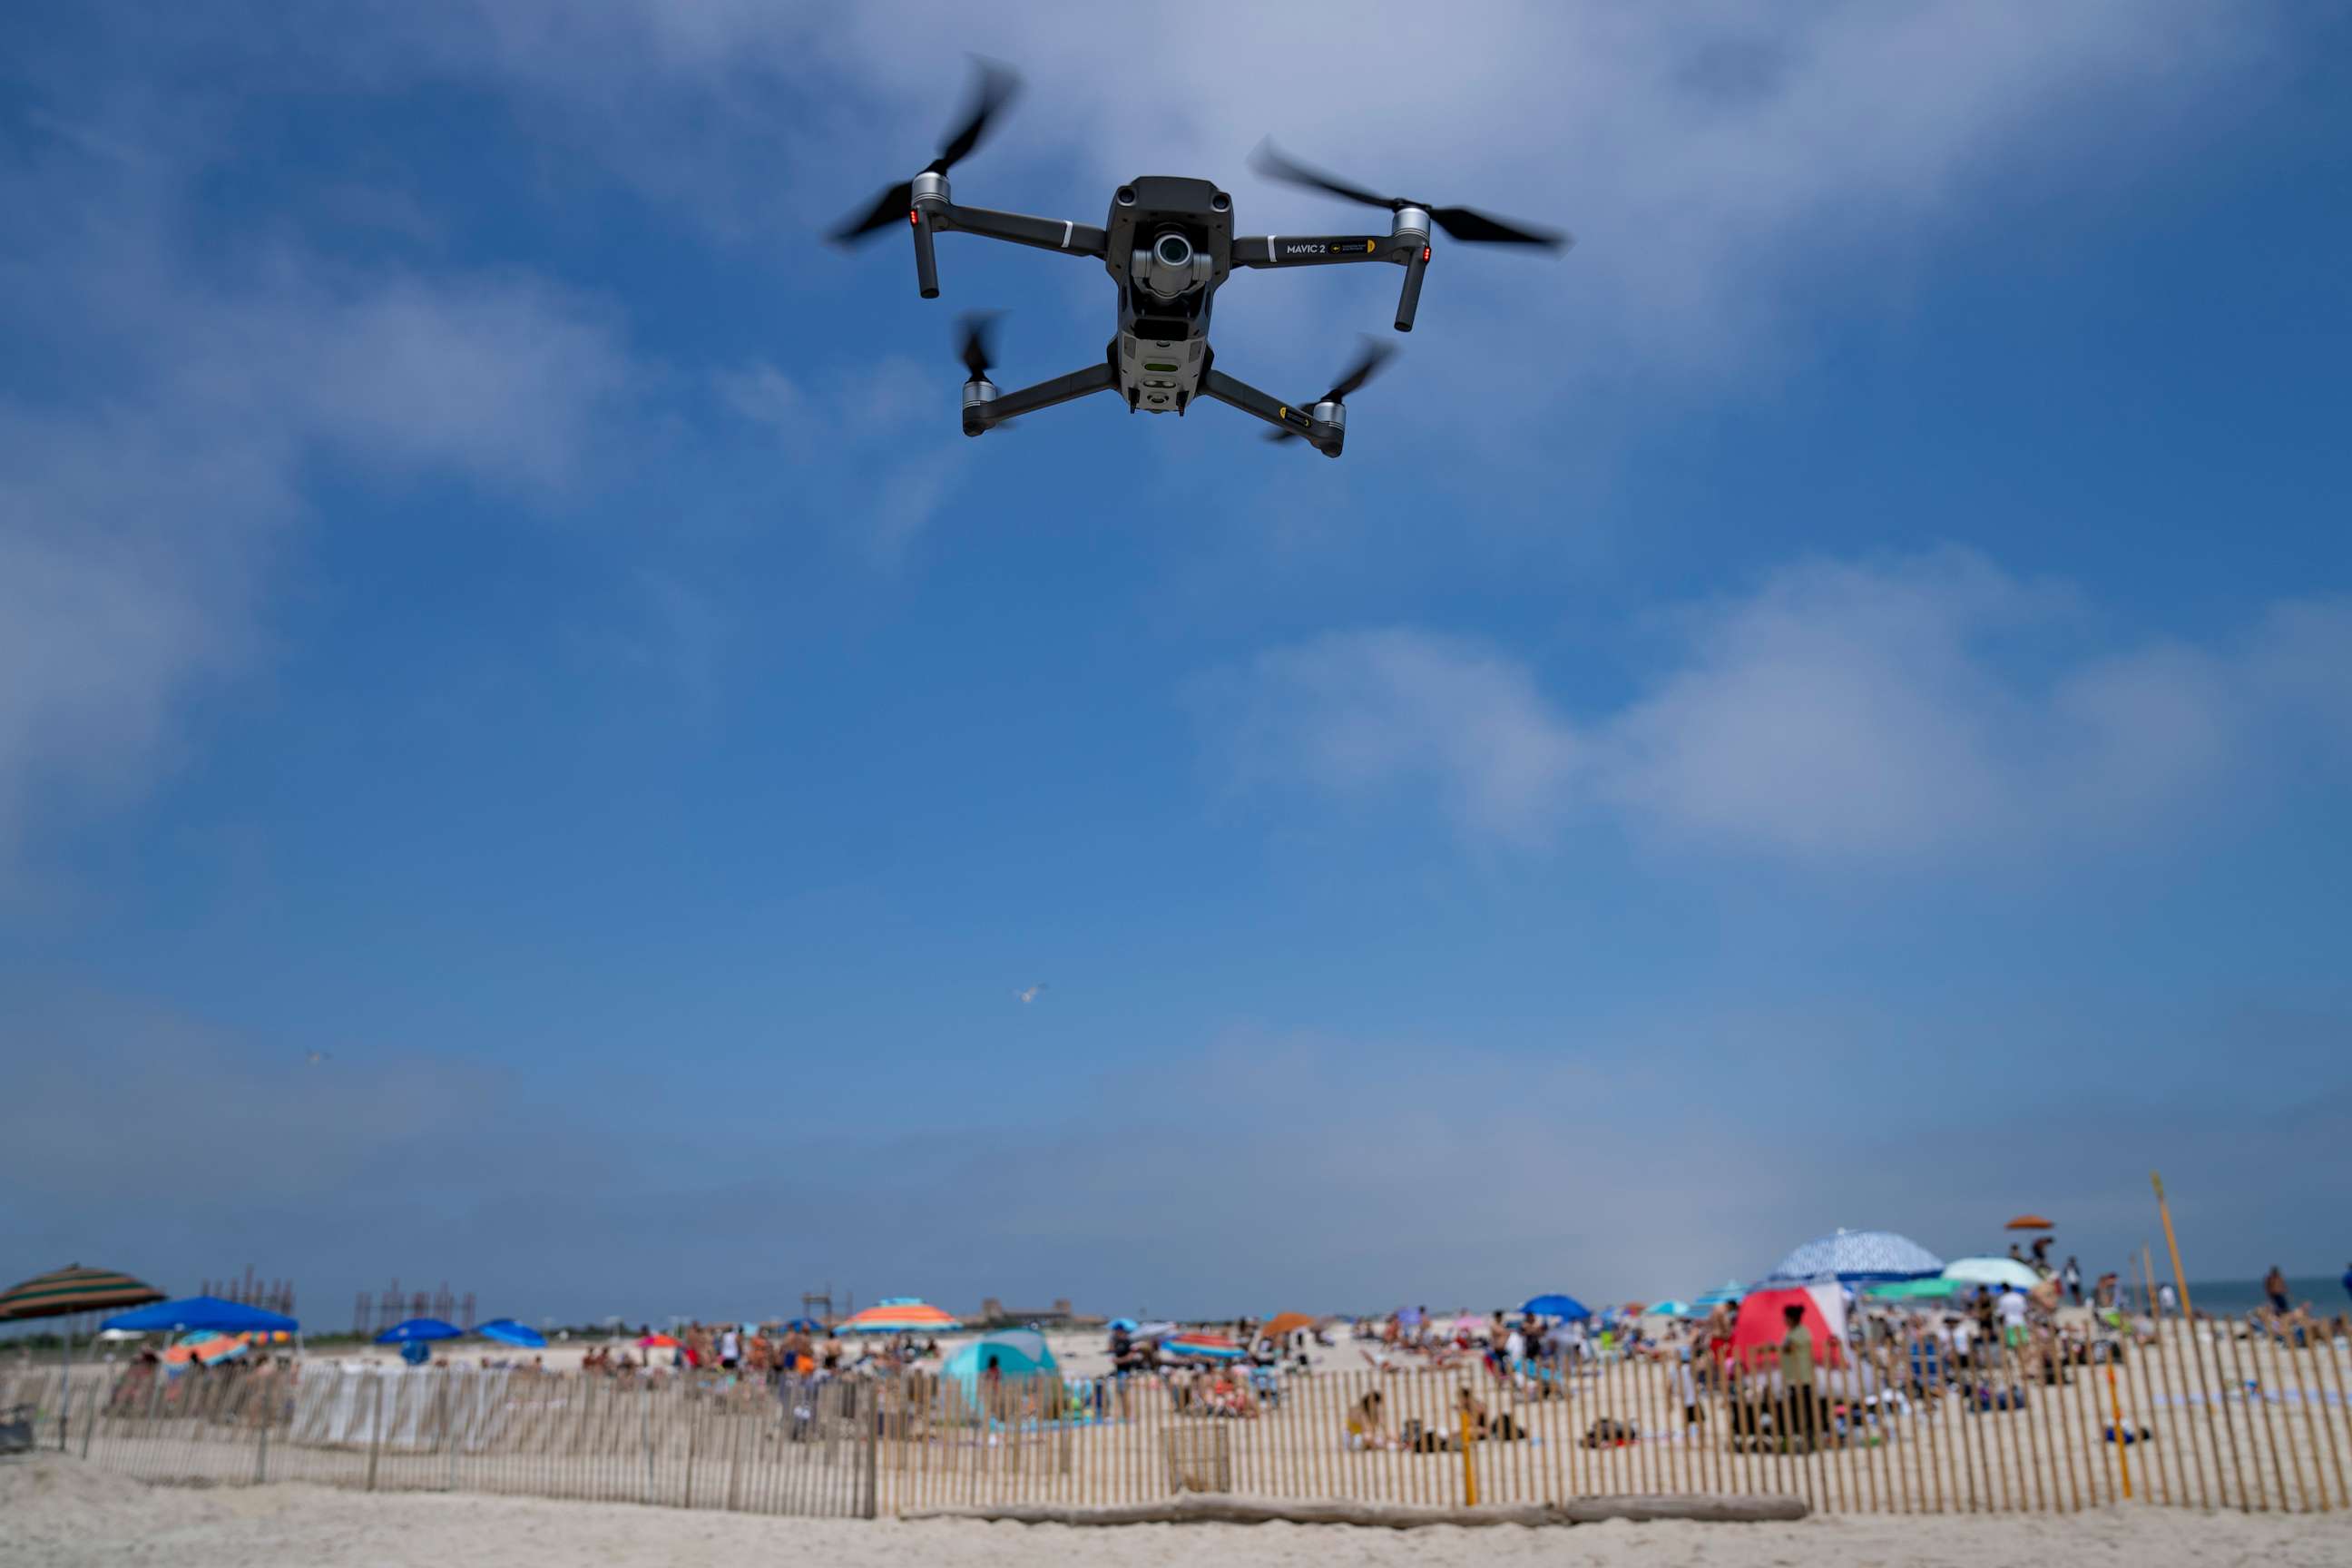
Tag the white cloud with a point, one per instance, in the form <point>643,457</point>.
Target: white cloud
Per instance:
<point>1841,712</point>
<point>139,512</point>
<point>878,422</point>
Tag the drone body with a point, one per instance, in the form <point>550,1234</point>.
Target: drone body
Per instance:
<point>1169,244</point>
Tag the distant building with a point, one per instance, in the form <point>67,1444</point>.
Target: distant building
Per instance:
<point>994,1314</point>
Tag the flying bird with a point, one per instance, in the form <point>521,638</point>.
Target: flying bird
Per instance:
<point>1030,994</point>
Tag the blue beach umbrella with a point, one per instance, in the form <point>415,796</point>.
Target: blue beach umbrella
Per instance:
<point>1555,1306</point>
<point>419,1330</point>
<point>506,1332</point>
<point>1856,1257</point>
<point>1725,1294</point>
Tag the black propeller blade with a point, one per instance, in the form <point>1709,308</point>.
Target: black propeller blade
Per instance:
<point>995,89</point>
<point>1376,355</point>
<point>977,346</point>
<point>1465,223</point>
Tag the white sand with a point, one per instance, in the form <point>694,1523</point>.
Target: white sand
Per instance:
<point>56,1511</point>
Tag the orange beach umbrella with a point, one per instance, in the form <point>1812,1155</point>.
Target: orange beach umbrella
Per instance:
<point>2029,1222</point>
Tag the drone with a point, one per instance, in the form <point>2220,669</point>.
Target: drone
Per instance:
<point>1169,245</point>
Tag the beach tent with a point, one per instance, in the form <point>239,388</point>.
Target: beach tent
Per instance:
<point>417,1331</point>
<point>1992,1271</point>
<point>1856,1257</point>
<point>1555,1305</point>
<point>506,1332</point>
<point>1018,1352</point>
<point>201,1313</point>
<point>900,1315</point>
<point>60,1293</point>
<point>1763,1321</point>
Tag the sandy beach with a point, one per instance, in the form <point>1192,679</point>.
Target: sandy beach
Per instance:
<point>55,1514</point>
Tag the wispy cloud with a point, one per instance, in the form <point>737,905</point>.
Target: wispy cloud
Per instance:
<point>138,516</point>
<point>1879,713</point>
<point>876,426</point>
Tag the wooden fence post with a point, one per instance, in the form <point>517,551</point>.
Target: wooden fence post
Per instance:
<point>376,1425</point>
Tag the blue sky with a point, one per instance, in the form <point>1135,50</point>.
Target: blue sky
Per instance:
<point>1828,705</point>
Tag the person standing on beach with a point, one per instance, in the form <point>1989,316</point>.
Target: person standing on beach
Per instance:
<point>1796,1370</point>
<point>2072,1275</point>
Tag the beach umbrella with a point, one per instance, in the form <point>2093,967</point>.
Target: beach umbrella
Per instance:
<point>62,1293</point>
<point>1856,1257</point>
<point>1725,1294</point>
<point>1670,1309</point>
<point>658,1342</point>
<point>2029,1222</point>
<point>900,1315</point>
<point>2003,1271</point>
<point>803,1326</point>
<point>418,1331</point>
<point>1931,1290</point>
<point>1555,1305</point>
<point>200,1312</point>
<point>1282,1325</point>
<point>1129,1324</point>
<point>506,1332</point>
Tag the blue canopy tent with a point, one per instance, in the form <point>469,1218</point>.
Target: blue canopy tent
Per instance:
<point>201,1313</point>
<point>1856,1257</point>
<point>1017,1352</point>
<point>1555,1306</point>
<point>506,1332</point>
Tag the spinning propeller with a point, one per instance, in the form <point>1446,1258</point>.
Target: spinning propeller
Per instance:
<point>1465,223</point>
<point>978,347</point>
<point>995,88</point>
<point>1376,355</point>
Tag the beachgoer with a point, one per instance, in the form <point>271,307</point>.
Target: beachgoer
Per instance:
<point>2012,1318</point>
<point>2167,1298</point>
<point>2348,1280</point>
<point>1368,1423</point>
<point>1797,1350</point>
<point>731,1350</point>
<point>2275,1287</point>
<point>2072,1275</point>
<point>2041,1255</point>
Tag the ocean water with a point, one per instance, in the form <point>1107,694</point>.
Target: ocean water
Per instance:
<point>2230,1297</point>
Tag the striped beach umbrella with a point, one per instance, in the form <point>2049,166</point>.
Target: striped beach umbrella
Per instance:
<point>900,1315</point>
<point>74,1288</point>
<point>60,1293</point>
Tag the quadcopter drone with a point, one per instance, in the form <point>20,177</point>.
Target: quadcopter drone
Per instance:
<point>1169,245</point>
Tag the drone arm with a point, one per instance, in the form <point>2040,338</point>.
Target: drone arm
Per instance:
<point>1044,232</point>
<point>1323,249</point>
<point>1241,394</point>
<point>982,416</point>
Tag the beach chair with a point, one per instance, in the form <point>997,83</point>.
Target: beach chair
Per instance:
<point>16,1429</point>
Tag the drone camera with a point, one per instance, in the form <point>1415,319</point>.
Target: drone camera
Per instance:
<point>1172,266</point>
